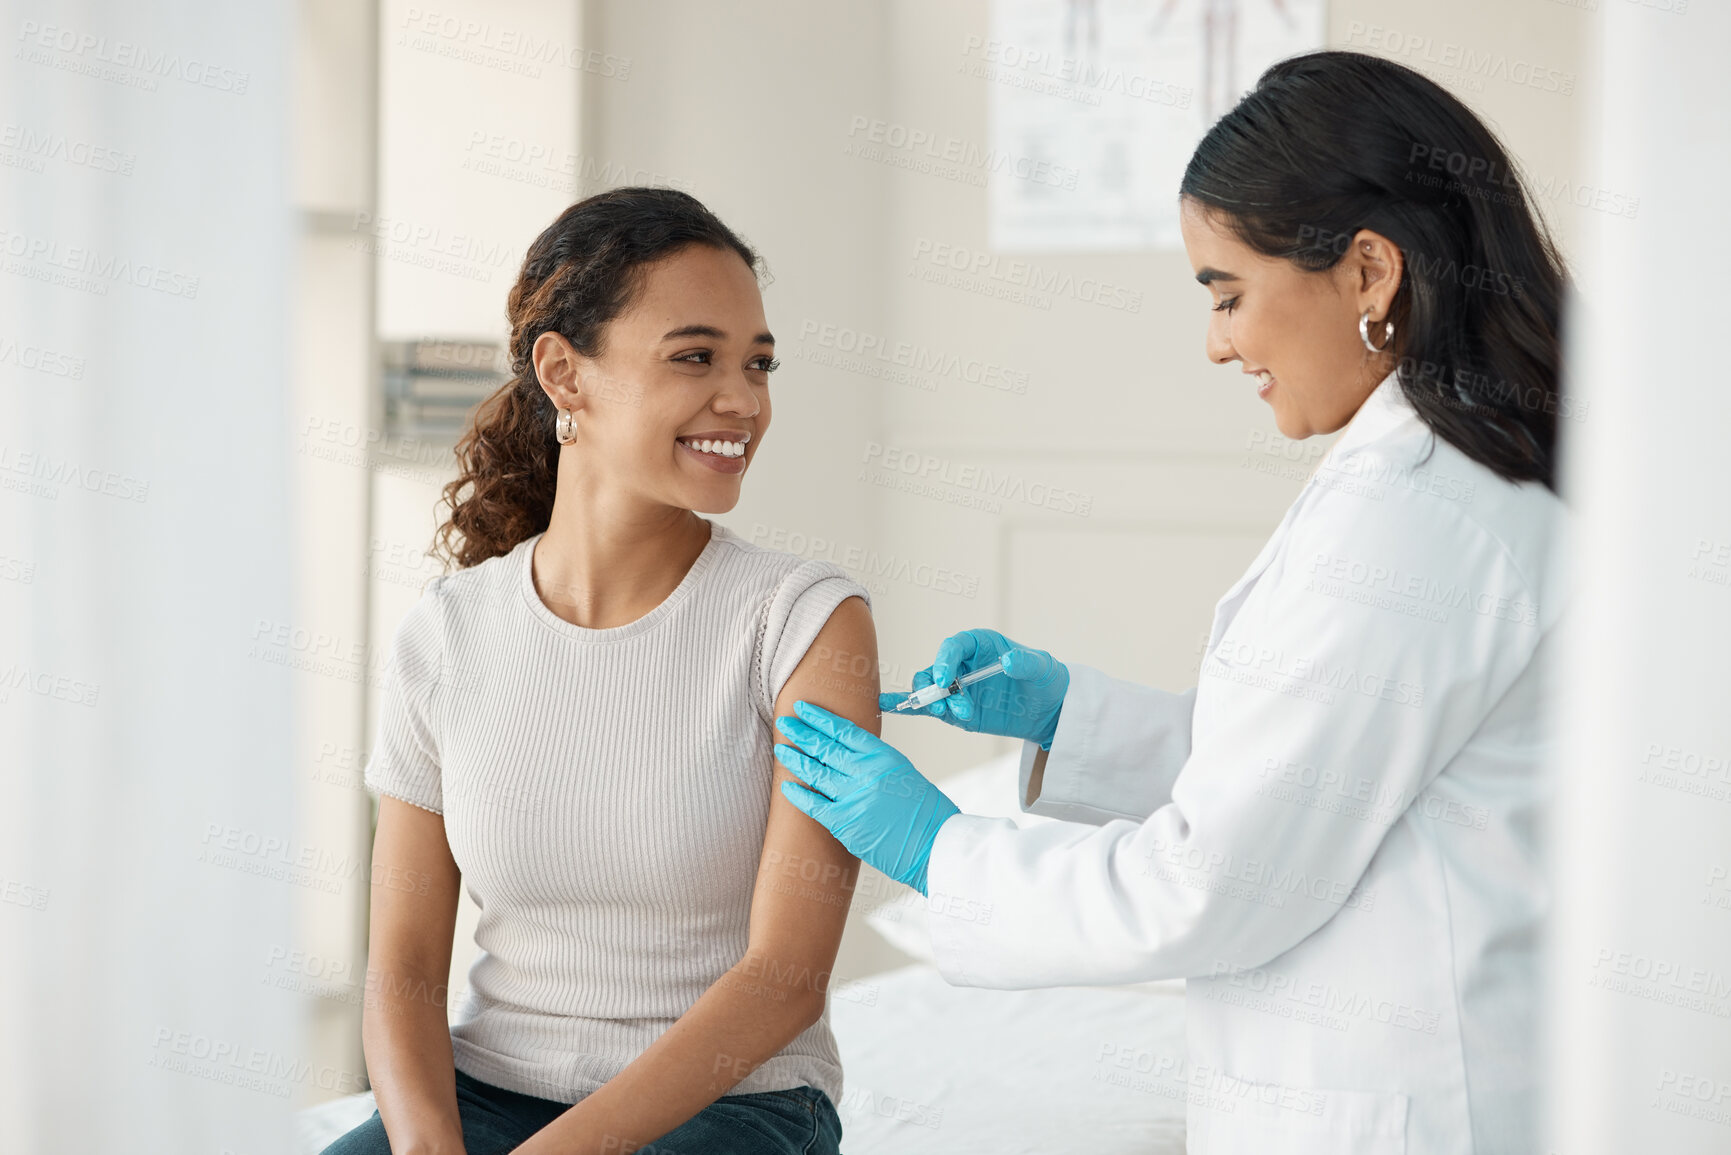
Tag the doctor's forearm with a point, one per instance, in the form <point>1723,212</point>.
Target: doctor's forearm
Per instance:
<point>741,1021</point>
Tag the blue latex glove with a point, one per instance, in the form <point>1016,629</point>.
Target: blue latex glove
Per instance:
<point>1022,702</point>
<point>864,790</point>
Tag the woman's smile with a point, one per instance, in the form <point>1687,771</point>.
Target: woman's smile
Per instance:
<point>720,450</point>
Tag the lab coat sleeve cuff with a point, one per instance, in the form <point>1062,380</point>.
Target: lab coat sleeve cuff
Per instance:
<point>959,901</point>
<point>1117,749</point>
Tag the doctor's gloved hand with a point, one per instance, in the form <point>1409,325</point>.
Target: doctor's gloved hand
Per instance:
<point>1022,702</point>
<point>864,791</point>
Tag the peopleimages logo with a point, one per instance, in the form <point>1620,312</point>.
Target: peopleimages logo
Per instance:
<point>88,269</point>
<point>1303,676</point>
<point>923,150</point>
<point>920,359</point>
<point>40,360</point>
<point>41,474</point>
<point>502,46</point>
<point>40,146</point>
<point>90,53</point>
<point>1023,281</point>
<point>1074,77</point>
<point>1472,64</point>
<point>875,567</point>
<point>928,471</point>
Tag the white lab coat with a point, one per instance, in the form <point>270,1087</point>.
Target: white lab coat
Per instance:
<point>1332,837</point>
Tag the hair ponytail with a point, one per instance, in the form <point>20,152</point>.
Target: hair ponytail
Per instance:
<point>577,276</point>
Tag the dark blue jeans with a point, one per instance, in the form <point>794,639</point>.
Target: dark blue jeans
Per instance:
<point>797,1122</point>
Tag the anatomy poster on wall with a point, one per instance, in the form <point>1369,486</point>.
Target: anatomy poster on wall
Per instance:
<point>1115,94</point>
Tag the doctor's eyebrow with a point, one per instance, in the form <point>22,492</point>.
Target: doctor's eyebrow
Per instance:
<point>713,333</point>
<point>1208,276</point>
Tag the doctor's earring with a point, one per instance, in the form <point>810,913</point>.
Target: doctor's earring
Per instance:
<point>564,429</point>
<point>1364,333</point>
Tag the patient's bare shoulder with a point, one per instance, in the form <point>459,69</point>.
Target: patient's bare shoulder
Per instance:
<point>840,670</point>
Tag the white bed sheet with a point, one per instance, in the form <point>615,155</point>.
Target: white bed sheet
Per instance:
<point>935,1068</point>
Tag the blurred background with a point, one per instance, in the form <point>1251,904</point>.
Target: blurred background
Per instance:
<point>256,258</point>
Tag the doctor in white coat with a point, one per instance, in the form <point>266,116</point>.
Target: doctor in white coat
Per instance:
<point>1332,836</point>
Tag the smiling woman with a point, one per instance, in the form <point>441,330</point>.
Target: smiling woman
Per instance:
<point>576,727</point>
<point>584,365</point>
<point>1353,215</point>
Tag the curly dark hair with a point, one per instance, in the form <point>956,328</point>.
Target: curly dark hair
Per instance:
<point>580,274</point>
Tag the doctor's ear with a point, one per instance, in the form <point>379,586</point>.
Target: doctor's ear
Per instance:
<point>560,369</point>
<point>1375,265</point>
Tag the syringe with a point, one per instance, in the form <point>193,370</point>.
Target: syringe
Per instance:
<point>920,699</point>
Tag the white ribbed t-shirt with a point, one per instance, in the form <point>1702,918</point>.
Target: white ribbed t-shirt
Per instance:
<point>605,794</point>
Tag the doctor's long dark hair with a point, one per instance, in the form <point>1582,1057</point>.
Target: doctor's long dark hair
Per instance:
<point>1332,142</point>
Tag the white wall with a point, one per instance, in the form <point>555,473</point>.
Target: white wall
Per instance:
<point>478,108</point>
<point>1640,971</point>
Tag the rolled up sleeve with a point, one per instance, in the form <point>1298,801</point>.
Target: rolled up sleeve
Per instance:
<point>1116,752</point>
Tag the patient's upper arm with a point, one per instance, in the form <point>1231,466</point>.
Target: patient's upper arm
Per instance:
<point>414,892</point>
<point>805,879</point>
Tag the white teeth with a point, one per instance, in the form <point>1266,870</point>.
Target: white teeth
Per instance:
<point>719,448</point>
<point>1264,377</point>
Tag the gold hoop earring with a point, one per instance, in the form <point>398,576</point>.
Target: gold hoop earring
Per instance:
<point>565,429</point>
<point>1364,332</point>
